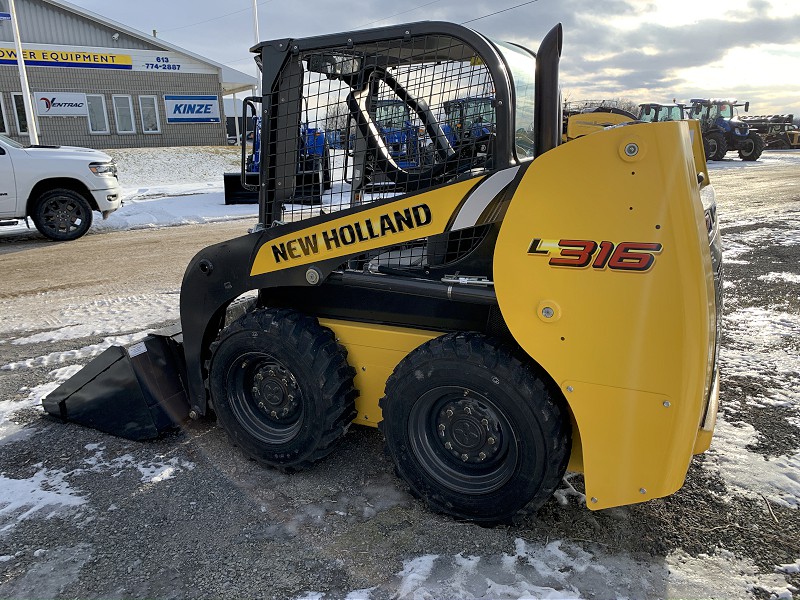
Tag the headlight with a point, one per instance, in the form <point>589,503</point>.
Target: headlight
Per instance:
<point>104,169</point>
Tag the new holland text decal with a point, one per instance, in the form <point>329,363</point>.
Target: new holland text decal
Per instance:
<point>369,228</point>
<point>623,256</point>
<point>352,233</point>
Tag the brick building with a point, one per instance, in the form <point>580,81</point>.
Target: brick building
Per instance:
<point>101,84</point>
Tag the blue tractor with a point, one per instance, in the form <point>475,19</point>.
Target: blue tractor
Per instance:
<point>470,119</point>
<point>313,173</point>
<point>723,130</point>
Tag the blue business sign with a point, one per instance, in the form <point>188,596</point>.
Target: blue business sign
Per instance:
<point>5,16</point>
<point>192,109</point>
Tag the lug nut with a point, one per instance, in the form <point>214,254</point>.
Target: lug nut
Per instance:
<point>255,390</point>
<point>260,377</point>
<point>482,455</point>
<point>490,441</point>
<point>273,414</point>
<point>449,412</point>
<point>464,457</point>
<point>261,406</point>
<point>441,427</point>
<point>485,422</point>
<point>448,445</point>
<point>468,410</point>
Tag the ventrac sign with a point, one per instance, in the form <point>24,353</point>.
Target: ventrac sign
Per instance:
<point>60,104</point>
<point>192,109</point>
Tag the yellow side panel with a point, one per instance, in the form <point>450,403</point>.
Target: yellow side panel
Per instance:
<point>586,123</point>
<point>603,275</point>
<point>374,351</point>
<point>696,135</point>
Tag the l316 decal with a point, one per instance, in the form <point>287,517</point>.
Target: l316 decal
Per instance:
<point>624,256</point>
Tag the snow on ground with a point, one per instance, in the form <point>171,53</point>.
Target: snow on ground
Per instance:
<point>49,493</point>
<point>562,570</point>
<point>189,189</point>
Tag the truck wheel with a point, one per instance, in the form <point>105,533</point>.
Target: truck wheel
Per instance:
<point>716,146</point>
<point>62,215</point>
<point>473,429</point>
<point>752,147</point>
<point>281,387</point>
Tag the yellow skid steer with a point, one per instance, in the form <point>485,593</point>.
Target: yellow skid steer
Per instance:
<point>504,309</point>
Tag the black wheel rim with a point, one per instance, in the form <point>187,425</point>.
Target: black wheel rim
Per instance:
<point>265,397</point>
<point>63,215</point>
<point>463,440</point>
<point>712,148</point>
<point>748,147</point>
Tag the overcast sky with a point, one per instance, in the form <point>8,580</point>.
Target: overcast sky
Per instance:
<point>634,49</point>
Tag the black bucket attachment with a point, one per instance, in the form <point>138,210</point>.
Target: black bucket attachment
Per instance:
<point>135,393</point>
<point>235,193</point>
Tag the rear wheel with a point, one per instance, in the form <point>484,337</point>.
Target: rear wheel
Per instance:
<point>473,430</point>
<point>716,146</point>
<point>752,147</point>
<point>62,215</point>
<point>281,387</point>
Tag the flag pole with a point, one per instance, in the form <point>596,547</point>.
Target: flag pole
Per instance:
<point>23,78</point>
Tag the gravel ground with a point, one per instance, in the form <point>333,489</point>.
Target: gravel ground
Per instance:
<point>188,516</point>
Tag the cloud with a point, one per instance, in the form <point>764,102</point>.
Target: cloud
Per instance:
<point>617,47</point>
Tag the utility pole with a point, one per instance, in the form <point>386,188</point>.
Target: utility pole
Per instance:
<point>23,78</point>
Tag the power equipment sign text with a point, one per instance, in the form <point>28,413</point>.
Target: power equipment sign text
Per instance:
<point>622,256</point>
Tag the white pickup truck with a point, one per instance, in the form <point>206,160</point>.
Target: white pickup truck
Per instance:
<point>58,187</point>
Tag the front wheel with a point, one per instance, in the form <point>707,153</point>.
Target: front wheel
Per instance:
<point>473,429</point>
<point>716,146</point>
<point>752,147</point>
<point>281,387</point>
<point>62,215</point>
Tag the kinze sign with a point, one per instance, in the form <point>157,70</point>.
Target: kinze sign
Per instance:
<point>192,109</point>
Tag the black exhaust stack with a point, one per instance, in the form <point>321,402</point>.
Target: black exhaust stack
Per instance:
<point>135,393</point>
<point>547,108</point>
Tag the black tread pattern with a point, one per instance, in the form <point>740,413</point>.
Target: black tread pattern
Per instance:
<point>509,363</point>
<point>333,376</point>
<point>38,220</point>
<point>758,148</point>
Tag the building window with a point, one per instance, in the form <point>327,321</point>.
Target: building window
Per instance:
<point>98,118</point>
<point>19,113</point>
<point>123,114</point>
<point>3,121</point>
<point>148,106</point>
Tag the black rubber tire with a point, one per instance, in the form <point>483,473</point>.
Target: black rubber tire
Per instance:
<point>62,214</point>
<point>752,147</point>
<point>305,398</point>
<point>469,395</point>
<point>716,146</point>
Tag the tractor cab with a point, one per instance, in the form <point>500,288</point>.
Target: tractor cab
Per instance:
<point>653,112</point>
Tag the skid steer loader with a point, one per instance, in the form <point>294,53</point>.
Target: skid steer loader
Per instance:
<point>501,316</point>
